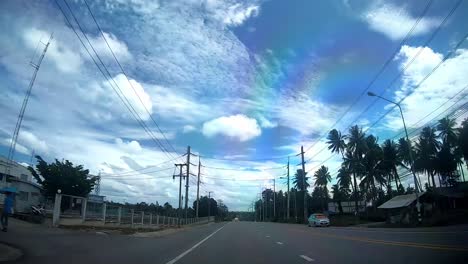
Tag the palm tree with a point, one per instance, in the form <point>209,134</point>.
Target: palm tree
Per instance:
<point>344,177</point>
<point>373,173</point>
<point>427,147</point>
<point>447,131</point>
<point>298,182</point>
<point>463,140</point>
<point>403,148</point>
<point>338,196</point>
<point>322,177</point>
<point>356,148</point>
<point>336,142</point>
<point>449,156</point>
<point>391,161</point>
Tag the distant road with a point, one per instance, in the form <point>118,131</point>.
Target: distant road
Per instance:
<point>246,242</point>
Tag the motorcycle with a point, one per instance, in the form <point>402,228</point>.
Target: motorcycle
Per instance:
<point>38,213</point>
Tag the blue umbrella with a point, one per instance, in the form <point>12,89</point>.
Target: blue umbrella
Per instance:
<point>8,189</point>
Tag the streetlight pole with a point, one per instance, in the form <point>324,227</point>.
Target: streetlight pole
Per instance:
<point>416,186</point>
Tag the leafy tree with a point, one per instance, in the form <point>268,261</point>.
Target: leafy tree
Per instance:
<point>298,181</point>
<point>372,170</point>
<point>447,131</point>
<point>322,177</point>
<point>339,195</point>
<point>344,177</point>
<point>356,148</point>
<point>390,162</point>
<point>63,175</point>
<point>203,207</point>
<point>336,142</point>
<point>427,147</point>
<point>463,140</point>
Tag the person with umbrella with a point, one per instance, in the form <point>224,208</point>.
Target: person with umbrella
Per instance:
<point>7,207</point>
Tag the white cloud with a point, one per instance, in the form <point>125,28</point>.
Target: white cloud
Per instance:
<point>240,127</point>
<point>65,59</point>
<point>131,146</point>
<point>237,14</point>
<point>104,95</point>
<point>305,115</point>
<point>394,22</point>
<point>119,48</point>
<point>265,123</point>
<point>189,128</point>
<point>444,83</point>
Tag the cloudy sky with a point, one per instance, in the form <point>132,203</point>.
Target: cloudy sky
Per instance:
<point>244,83</point>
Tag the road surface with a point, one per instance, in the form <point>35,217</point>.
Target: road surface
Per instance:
<point>245,242</point>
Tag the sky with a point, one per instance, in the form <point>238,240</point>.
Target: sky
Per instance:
<point>245,84</point>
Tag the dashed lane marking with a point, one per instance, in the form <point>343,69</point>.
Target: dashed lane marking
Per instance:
<point>279,243</point>
<point>307,258</point>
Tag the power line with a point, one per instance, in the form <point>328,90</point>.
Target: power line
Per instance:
<point>448,55</point>
<point>247,160</point>
<point>121,95</point>
<point>420,50</point>
<point>247,169</point>
<point>140,173</point>
<point>142,169</point>
<point>376,76</point>
<point>126,76</point>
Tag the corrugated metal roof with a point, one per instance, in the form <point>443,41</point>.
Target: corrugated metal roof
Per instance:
<point>399,201</point>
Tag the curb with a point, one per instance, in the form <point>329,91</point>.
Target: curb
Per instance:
<point>9,253</point>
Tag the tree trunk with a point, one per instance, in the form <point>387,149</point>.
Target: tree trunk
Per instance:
<point>340,208</point>
<point>356,207</point>
<point>433,181</point>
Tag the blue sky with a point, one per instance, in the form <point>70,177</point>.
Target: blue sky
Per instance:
<point>239,81</point>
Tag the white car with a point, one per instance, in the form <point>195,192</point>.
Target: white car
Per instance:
<point>319,220</point>
<point>236,219</point>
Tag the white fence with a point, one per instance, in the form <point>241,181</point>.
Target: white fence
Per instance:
<point>79,210</point>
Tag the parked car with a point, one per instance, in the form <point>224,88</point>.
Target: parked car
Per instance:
<point>319,220</point>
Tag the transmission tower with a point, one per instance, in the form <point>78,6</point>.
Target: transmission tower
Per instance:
<point>36,67</point>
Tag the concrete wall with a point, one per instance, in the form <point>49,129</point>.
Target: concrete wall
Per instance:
<point>28,194</point>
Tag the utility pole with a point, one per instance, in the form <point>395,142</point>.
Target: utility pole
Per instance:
<point>187,183</point>
<point>209,205</point>
<point>295,204</point>
<point>304,184</point>
<point>198,185</point>
<point>179,216</point>
<point>11,150</point>
<point>274,198</point>
<point>289,191</point>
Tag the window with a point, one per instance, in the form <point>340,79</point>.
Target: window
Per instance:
<point>24,177</point>
<point>23,196</point>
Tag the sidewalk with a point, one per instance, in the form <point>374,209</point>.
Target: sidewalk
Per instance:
<point>8,253</point>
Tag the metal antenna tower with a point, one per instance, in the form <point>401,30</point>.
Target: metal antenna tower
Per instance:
<point>36,67</point>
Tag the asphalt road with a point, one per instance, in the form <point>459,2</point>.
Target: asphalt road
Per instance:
<point>245,242</point>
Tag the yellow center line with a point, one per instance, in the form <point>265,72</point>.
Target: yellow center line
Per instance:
<point>394,243</point>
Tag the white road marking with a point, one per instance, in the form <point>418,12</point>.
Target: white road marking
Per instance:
<point>267,236</point>
<point>192,248</point>
<point>306,258</point>
<point>279,243</point>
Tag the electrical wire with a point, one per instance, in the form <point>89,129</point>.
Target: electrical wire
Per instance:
<point>103,71</point>
<point>387,62</point>
<point>126,76</point>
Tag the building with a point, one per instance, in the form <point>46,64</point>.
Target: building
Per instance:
<point>19,177</point>
<point>347,206</point>
<point>439,206</point>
